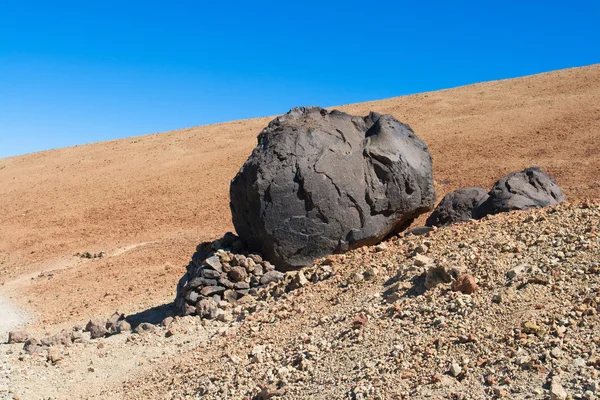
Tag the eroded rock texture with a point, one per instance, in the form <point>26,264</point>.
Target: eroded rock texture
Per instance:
<point>521,190</point>
<point>321,182</point>
<point>457,206</point>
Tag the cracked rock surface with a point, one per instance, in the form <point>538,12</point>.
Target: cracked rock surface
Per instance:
<point>530,188</point>
<point>457,206</point>
<point>322,182</point>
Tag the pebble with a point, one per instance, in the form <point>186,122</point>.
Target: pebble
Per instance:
<point>557,392</point>
<point>455,369</point>
<point>421,260</point>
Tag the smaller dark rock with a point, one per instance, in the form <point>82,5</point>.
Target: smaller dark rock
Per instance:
<point>230,296</point>
<point>210,273</point>
<point>33,346</point>
<point>256,258</point>
<point>237,274</point>
<point>241,285</point>
<point>226,282</point>
<point>530,188</point>
<point>212,290</point>
<point>214,263</point>
<point>193,296</point>
<point>258,270</point>
<point>197,282</point>
<point>271,276</point>
<point>254,281</point>
<point>457,206</point>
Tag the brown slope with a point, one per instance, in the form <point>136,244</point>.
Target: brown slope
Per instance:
<point>172,187</point>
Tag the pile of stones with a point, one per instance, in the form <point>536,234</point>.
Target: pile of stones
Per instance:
<point>222,271</point>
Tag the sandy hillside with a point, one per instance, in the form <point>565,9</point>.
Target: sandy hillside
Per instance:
<point>147,201</point>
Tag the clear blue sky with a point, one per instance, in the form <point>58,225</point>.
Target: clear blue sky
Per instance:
<point>85,71</point>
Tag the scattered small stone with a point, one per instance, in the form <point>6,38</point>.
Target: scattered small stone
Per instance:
<point>17,337</point>
<point>111,324</point>
<point>465,284</point>
<point>96,328</point>
<point>531,327</point>
<point>123,326</point>
<point>271,276</point>
<point>381,247</point>
<point>436,275</point>
<point>497,298</point>
<point>54,355</point>
<point>557,392</point>
<point>455,369</point>
<point>237,274</point>
<point>214,263</point>
<point>299,280</point>
<point>370,273</point>
<point>421,261</point>
<point>360,320</point>
<point>167,322</point>
<point>144,327</point>
<point>516,272</point>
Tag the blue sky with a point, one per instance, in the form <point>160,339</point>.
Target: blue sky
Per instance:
<point>80,72</point>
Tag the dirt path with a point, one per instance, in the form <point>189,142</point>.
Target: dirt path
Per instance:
<point>11,317</point>
<point>92,369</point>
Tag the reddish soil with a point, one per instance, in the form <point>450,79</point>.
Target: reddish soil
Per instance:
<point>166,192</point>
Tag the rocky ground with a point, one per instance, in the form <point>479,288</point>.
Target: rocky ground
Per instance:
<point>110,226</point>
<point>505,307</point>
<point>148,201</point>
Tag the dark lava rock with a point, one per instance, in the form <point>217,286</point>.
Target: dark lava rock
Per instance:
<point>212,290</point>
<point>530,188</point>
<point>211,274</point>
<point>214,263</point>
<point>457,206</point>
<point>197,282</point>
<point>322,182</point>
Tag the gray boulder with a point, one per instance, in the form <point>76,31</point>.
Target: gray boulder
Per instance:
<point>522,190</point>
<point>457,206</point>
<point>322,182</point>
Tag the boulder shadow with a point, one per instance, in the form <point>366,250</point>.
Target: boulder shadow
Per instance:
<point>154,315</point>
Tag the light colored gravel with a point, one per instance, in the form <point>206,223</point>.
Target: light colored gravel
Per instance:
<point>372,330</point>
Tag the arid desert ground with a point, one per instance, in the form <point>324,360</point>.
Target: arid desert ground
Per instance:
<point>147,201</point>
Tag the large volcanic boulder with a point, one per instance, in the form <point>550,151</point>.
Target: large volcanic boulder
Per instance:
<point>457,206</point>
<point>321,182</point>
<point>522,190</point>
